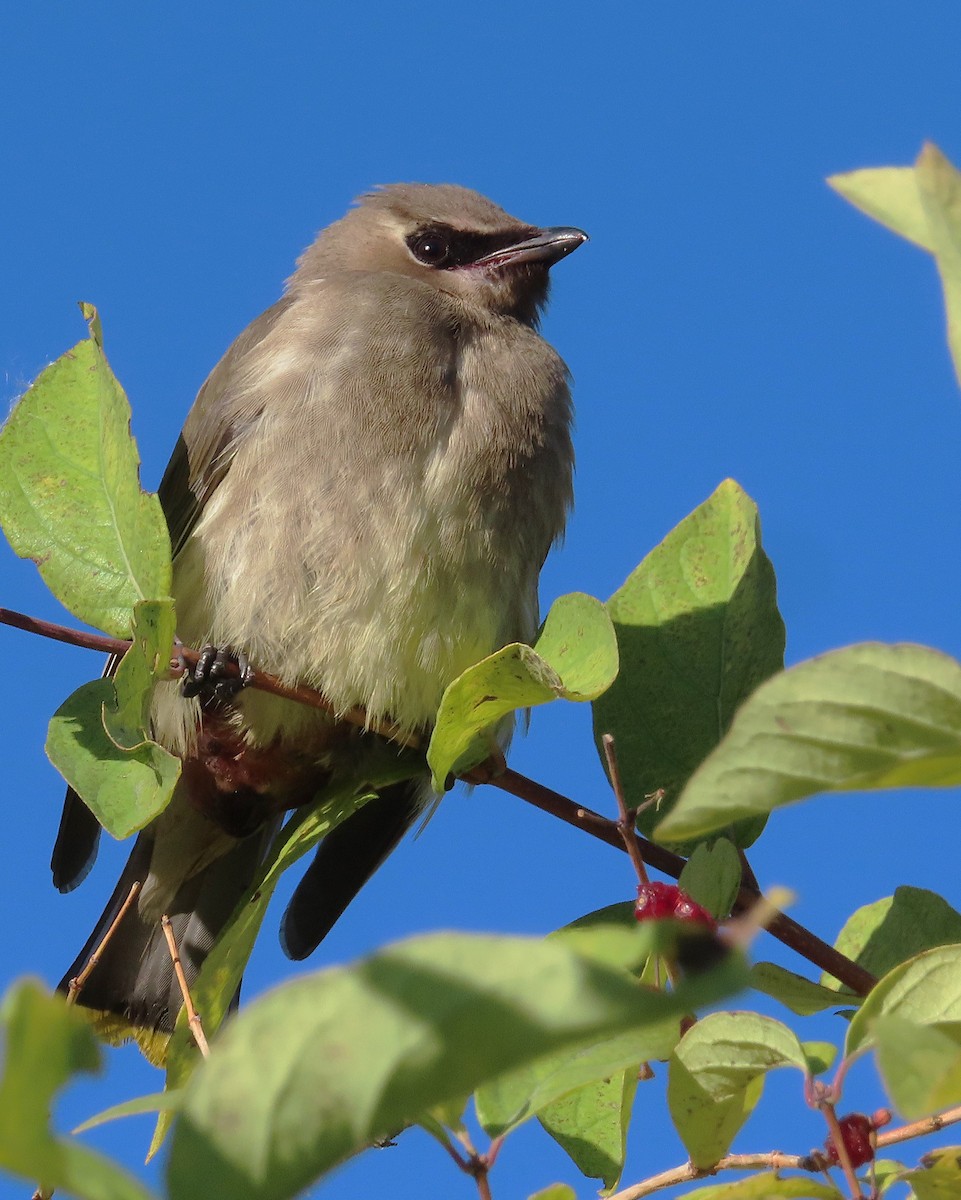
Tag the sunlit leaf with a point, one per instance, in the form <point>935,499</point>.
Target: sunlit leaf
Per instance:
<point>98,738</point>
<point>717,1074</point>
<point>70,494</point>
<point>882,934</point>
<point>698,629</point>
<point>868,716</point>
<point>926,990</point>
<point>320,1067</point>
<point>939,186</point>
<point>800,995</point>
<point>920,1064</point>
<point>940,1178</point>
<point>890,196</point>
<point>155,1102</point>
<point>575,659</point>
<point>590,1125</point>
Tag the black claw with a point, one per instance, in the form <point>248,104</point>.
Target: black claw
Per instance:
<point>209,678</point>
<point>246,670</point>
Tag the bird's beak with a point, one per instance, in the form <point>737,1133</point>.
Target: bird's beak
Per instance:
<point>547,246</point>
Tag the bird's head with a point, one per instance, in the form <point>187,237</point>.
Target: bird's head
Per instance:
<point>447,237</point>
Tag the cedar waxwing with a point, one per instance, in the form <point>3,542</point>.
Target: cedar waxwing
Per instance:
<point>361,501</point>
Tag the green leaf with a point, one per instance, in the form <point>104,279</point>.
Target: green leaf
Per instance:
<point>138,672</point>
<point>920,1064</point>
<point>46,1044</point>
<point>889,195</point>
<point>578,642</point>
<point>712,876</point>
<point>70,494</point>
<point>865,717</point>
<point>590,1125</point>
<point>155,1102</point>
<point>450,1114</point>
<point>922,204</point>
<point>698,629</point>
<point>940,1179</point>
<point>880,935</point>
<point>768,1187</point>
<point>555,1191</point>
<point>215,986</point>
<point>575,658</point>
<point>320,1067</point>
<point>717,1074</point>
<point>820,1056</point>
<point>124,788</point>
<point>98,741</point>
<point>887,1172</point>
<point>516,1097</point>
<point>926,989</point>
<point>611,936</point>
<point>795,992</point>
<point>939,186</point>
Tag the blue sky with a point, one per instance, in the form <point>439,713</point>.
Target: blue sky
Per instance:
<point>731,316</point>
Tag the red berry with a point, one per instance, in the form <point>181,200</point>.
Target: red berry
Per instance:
<point>656,901</point>
<point>691,913</point>
<point>856,1130</point>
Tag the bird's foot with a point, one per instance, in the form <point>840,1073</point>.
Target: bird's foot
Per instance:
<point>213,680</point>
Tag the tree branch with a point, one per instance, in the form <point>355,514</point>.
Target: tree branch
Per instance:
<point>786,930</point>
<point>919,1128</point>
<point>781,927</point>
<point>688,1173</point>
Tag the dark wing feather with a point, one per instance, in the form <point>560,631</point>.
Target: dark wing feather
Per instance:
<point>345,860</point>
<point>75,850</point>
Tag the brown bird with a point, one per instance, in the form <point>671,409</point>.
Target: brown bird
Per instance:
<point>361,501</point>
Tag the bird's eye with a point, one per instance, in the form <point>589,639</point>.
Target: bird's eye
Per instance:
<point>432,248</point>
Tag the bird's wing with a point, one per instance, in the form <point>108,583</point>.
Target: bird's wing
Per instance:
<point>344,861</point>
<point>215,426</point>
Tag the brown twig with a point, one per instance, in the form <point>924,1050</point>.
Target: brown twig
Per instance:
<point>476,1165</point>
<point>627,820</point>
<point>265,682</point>
<point>690,1174</point>
<point>75,986</point>
<point>782,927</point>
<point>844,1159</point>
<point>919,1128</point>
<point>478,1169</point>
<point>193,1017</point>
<point>187,657</point>
<point>63,633</point>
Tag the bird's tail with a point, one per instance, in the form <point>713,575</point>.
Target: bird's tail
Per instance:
<point>132,991</point>
<point>344,861</point>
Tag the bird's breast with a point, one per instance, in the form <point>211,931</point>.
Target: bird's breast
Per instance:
<point>379,567</point>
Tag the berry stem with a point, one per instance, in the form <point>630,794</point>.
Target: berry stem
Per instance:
<point>627,818</point>
<point>837,1137</point>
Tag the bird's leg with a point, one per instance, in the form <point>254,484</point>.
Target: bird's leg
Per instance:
<point>210,680</point>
